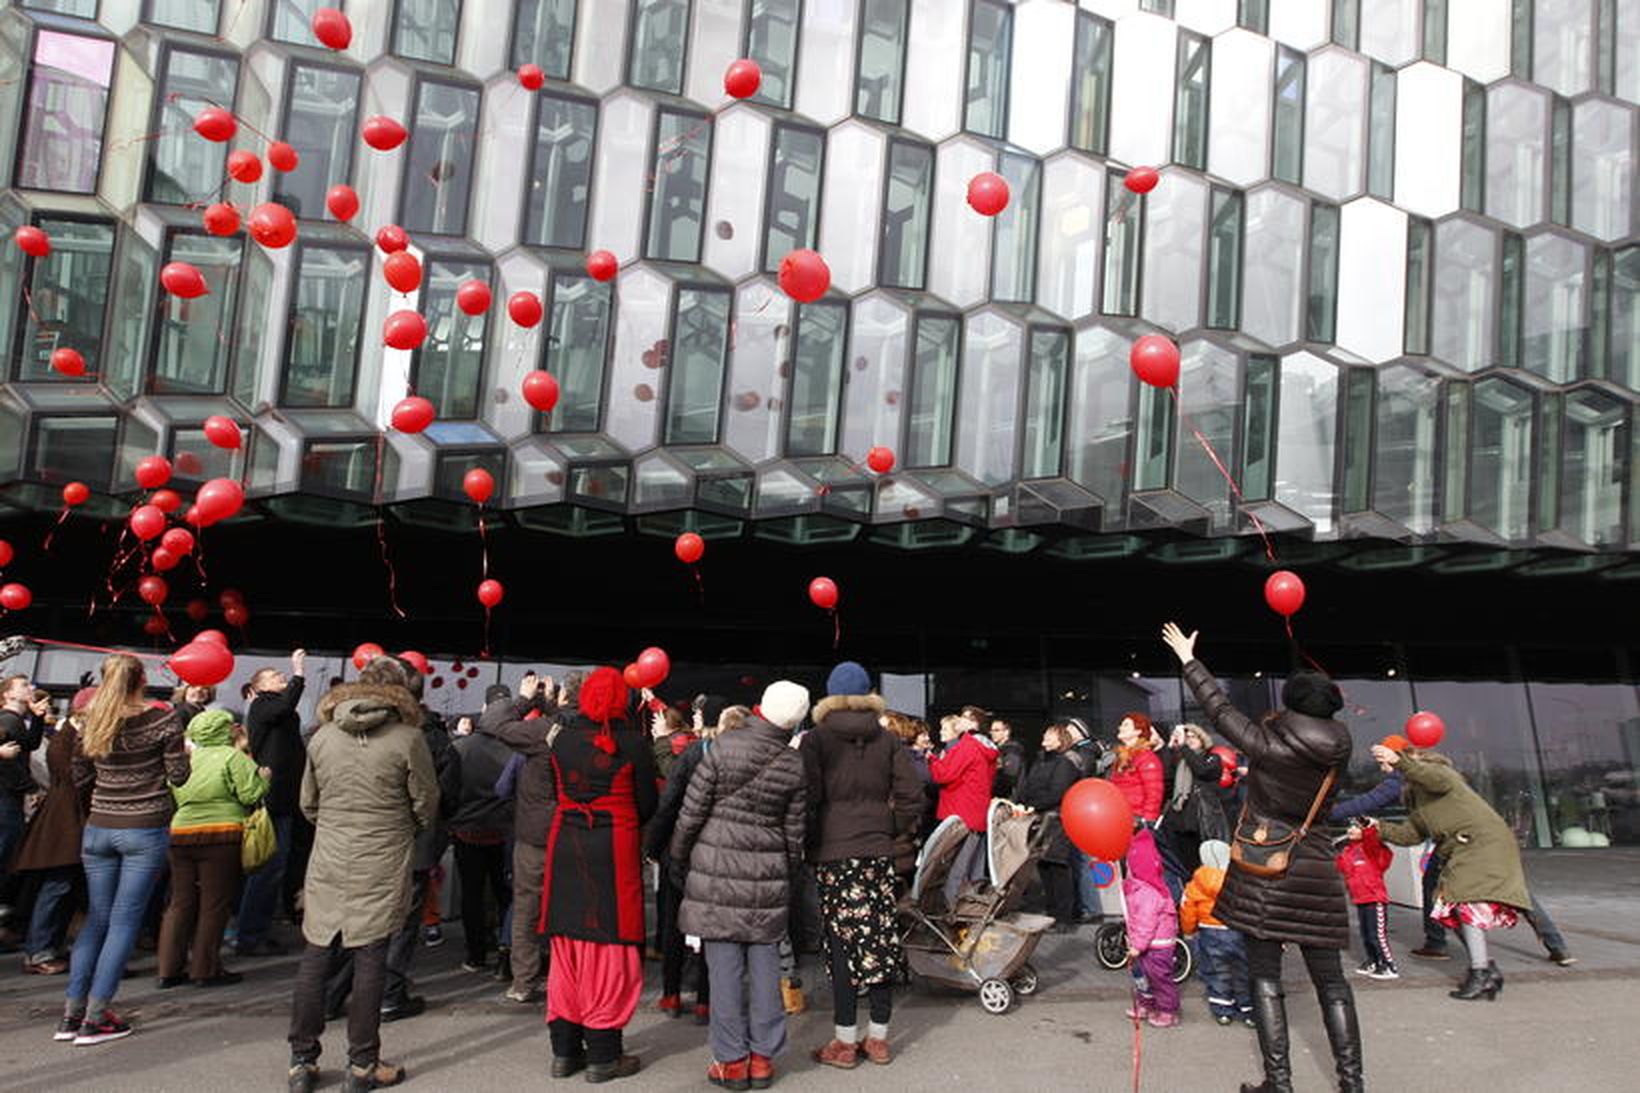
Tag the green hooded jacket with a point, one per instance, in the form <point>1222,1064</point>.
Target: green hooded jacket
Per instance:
<point>224,782</point>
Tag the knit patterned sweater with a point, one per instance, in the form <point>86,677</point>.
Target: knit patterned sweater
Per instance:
<point>133,781</point>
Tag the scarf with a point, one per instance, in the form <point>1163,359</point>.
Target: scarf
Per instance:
<point>1183,782</point>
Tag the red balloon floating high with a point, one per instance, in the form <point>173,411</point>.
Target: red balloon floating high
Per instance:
<point>1155,360</point>
<point>880,459</point>
<point>166,501</point>
<point>178,541</point>
<point>244,166</point>
<point>1284,592</point>
<point>602,265</point>
<point>146,522</point>
<point>67,362</point>
<point>365,652</point>
<point>823,593</point>
<point>743,78</point>
<point>413,414</point>
<point>689,548</point>
<point>164,560</point>
<point>1142,180</point>
<point>235,615</point>
<point>197,610</point>
<point>343,202</point>
<point>804,276</point>
<point>490,592</point>
<point>6,554</point>
<point>76,493</point>
<point>219,499</point>
<point>473,297</point>
<point>222,431</point>
<point>632,677</point>
<point>402,270</point>
<point>15,597</point>
<point>215,124</point>
<point>32,241</point>
<point>478,484</point>
<point>391,237</point>
<point>272,225</point>
<point>331,28</point>
<point>531,77</point>
<point>1097,818</point>
<point>541,390</point>
<point>183,279</point>
<point>153,471</point>
<point>282,157</point>
<point>1425,729</point>
<point>404,330</point>
<point>988,193</point>
<point>153,590</point>
<point>221,218</point>
<point>416,660</point>
<point>525,308</point>
<point>383,133</point>
<point>207,635</point>
<point>202,663</point>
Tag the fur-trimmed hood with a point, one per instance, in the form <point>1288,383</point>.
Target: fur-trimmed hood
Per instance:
<point>360,707</point>
<point>871,704</point>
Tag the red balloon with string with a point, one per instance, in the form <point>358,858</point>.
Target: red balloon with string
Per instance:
<point>221,218</point>
<point>392,238</point>
<point>383,133</point>
<point>282,157</point>
<point>153,471</point>
<point>183,279</point>
<point>6,554</point>
<point>689,548</point>
<point>365,652</point>
<point>207,635</point>
<point>490,592</point>
<point>215,124</point>
<point>272,225</point>
<point>473,297</point>
<point>1425,729</point>
<point>166,501</point>
<point>343,202</point>
<point>1142,180</point>
<point>404,329</point>
<point>402,270</point>
<point>1096,817</point>
<point>164,560</point>
<point>988,193</point>
<point>632,677</point>
<point>602,265</point>
<point>1155,360</point>
<point>541,391</point>
<point>413,414</point>
<point>202,663</point>
<point>743,78</point>
<point>76,493</point>
<point>244,166</point>
<point>221,431</point>
<point>1227,764</point>
<point>236,615</point>
<point>654,666</point>
<point>178,541</point>
<point>219,499</point>
<point>804,276</point>
<point>155,625</point>
<point>530,77</point>
<point>67,362</point>
<point>823,593</point>
<point>1284,592</point>
<point>331,28</point>
<point>478,484</point>
<point>525,308</point>
<point>153,590</point>
<point>416,660</point>
<point>15,597</point>
<point>197,609</point>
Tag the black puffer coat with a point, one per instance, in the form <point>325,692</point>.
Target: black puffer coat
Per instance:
<point>1287,760</point>
<point>1043,787</point>
<point>863,788</point>
<point>739,839</point>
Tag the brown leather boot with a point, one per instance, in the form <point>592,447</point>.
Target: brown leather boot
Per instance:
<point>838,1054</point>
<point>877,1051</point>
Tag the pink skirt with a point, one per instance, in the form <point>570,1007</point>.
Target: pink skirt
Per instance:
<point>593,984</point>
<point>1483,915</point>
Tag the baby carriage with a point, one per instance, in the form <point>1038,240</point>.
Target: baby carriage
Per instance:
<point>983,944</point>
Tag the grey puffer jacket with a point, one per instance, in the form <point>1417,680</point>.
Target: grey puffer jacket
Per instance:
<point>739,838</point>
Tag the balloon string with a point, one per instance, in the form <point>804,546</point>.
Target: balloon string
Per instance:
<point>836,629</point>
<point>381,533</point>
<point>700,585</point>
<point>1313,663</point>
<point>93,648</point>
<point>1235,489</point>
<point>485,651</point>
<point>484,546</point>
<point>62,518</point>
<point>165,622</point>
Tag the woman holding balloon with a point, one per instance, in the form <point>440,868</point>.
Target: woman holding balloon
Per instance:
<point>1281,886</point>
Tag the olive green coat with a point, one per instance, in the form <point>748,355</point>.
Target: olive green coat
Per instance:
<point>1480,858</point>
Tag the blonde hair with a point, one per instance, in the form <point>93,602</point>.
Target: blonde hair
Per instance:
<point>1199,733</point>
<point>903,727</point>
<point>951,721</point>
<point>122,683</point>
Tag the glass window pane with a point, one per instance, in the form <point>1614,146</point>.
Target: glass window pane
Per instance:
<point>1560,162</point>
<point>1274,293</point>
<point>576,348</point>
<point>85,9</point>
<point>544,34</point>
<point>1489,740</point>
<point>817,379</point>
<point>1625,319</point>
<point>1512,287</point>
<point>1587,733</point>
<point>1224,260</point>
<point>1381,134</point>
<point>1404,450</point>
<point>1553,323</point>
<point>879,83</point>
<point>425,30</point>
<point>677,205</point>
<point>659,30</point>
<point>793,216</point>
<point>1358,400</point>
<point>1334,138</point>
<point>1603,176</point>
<point>1046,366</point>
<point>1562,41</point>
<point>1500,460</point>
<point>560,177</point>
<point>1013,258</point>
<point>73,448</point>
<point>1158,7</point>
<point>1548,498</point>
<point>448,369</point>
<point>67,298</point>
<point>1454,442</point>
<point>1254,15</point>
<point>322,125</point>
<point>1596,449</point>
<point>1465,293</point>
<point>1420,282</point>
<point>1346,23</point>
<point>1322,311</point>
<point>1472,194</point>
<point>933,391</point>
<point>694,392</point>
<point>250,332</point>
<point>1124,229</point>
<point>133,314</point>
<point>1153,439</point>
<point>1090,83</point>
<point>192,356</point>
<point>292,20</point>
<point>63,122</point>
<point>1287,158</point>
<point>990,45</point>
<point>184,168</point>
<point>439,174</point>
<point>1258,444</point>
<point>906,209</point>
<point>771,41</point>
<point>1435,31</point>
<point>197,15</point>
<point>1306,428</point>
<point>1209,398</point>
<point>327,308</point>
<point>1195,59</point>
<point>1517,131</point>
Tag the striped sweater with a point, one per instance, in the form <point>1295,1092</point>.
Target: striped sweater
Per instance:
<point>133,781</point>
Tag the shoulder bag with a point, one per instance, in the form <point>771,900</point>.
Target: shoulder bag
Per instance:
<point>1265,849</point>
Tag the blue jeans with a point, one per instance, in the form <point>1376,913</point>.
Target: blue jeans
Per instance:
<point>52,907</point>
<point>1223,956</point>
<point>262,890</point>
<point>122,865</point>
<point>1087,892</point>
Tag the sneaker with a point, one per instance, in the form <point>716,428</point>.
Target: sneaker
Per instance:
<point>469,966</point>
<point>1139,1012</point>
<point>432,936</point>
<point>1224,1019</point>
<point>49,966</point>
<point>1366,967</point>
<point>1249,1022</point>
<point>411,1007</point>
<point>378,1075</point>
<point>528,997</point>
<point>1424,952</point>
<point>103,1029</point>
<point>1163,1020</point>
<point>303,1077</point>
<point>1561,957</point>
<point>1386,970</point>
<point>68,1028</point>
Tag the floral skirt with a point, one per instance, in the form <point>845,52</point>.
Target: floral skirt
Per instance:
<point>857,909</point>
<point>1483,915</point>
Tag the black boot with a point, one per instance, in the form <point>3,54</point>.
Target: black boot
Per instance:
<point>1477,984</point>
<point>1270,1015</point>
<point>1344,1034</point>
<point>605,1059</point>
<point>569,1056</point>
<point>1494,980</point>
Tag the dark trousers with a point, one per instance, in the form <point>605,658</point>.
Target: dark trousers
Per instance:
<point>61,889</point>
<point>307,1015</point>
<point>481,866</point>
<point>401,950</point>
<point>1374,921</point>
<point>1325,966</point>
<point>262,890</point>
<point>1058,890</point>
<point>675,955</point>
<point>204,881</point>
<point>1223,954</point>
<point>845,995</point>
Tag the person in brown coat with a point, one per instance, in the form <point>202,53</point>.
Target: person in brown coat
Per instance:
<point>1295,757</point>
<point>52,847</point>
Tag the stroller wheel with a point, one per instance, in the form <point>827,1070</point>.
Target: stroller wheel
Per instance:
<point>1184,961</point>
<point>1110,946</point>
<point>996,996</point>
<point>1024,981</point>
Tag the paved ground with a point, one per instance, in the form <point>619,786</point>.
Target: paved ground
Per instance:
<point>1551,1029</point>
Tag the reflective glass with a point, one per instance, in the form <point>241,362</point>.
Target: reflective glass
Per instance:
<point>1195,58</point>
<point>1455,434</point>
<point>1562,41</point>
<point>771,41</point>
<point>439,172</point>
<point>1101,420</point>
<point>1500,458</point>
<point>1489,739</point>
<point>1560,161</point>
<point>816,388</point>
<point>1287,157</point>
<point>1045,377</point>
<point>694,383</point>
<point>1586,733</point>
<point>1435,31</point>
<point>576,346</point>
<point>1419,284</point>
<point>793,213</point>
<point>1381,134</point>
<point>1157,7</point>
<point>1258,427</point>
<point>1473,141</point>
<point>138,265</point>
<point>1124,237</point>
<point>1596,448</point>
<point>560,176</point>
<point>322,125</point>
<point>875,395</point>
<point>1013,251</point>
<point>85,9</point>
<point>656,44</point>
<point>933,391</point>
<point>907,205</point>
<point>326,313</point>
<point>1209,394</point>
<point>1553,326</point>
<point>1517,125</point>
<point>1511,290</point>
<point>1346,23</point>
<point>1153,439</point>
<point>448,369</point>
<point>73,449</point>
<point>544,34</point>
<point>1175,233</point>
<point>425,30</point>
<point>1321,311</point>
<point>1603,174</point>
<point>1224,260</point>
<point>292,20</point>
<point>62,125</point>
<point>1254,15</point>
<point>879,81</point>
<point>198,15</point>
<point>1090,83</point>
<point>182,167</point>
<point>1404,449</point>
<point>988,397</point>
<point>1358,403</point>
<point>990,46</point>
<point>1625,318</point>
<point>677,205</point>
<point>1273,292</point>
<point>192,355</point>
<point>67,298</point>
<point>1334,137</point>
<point>250,332</point>
<point>1306,428</point>
<point>1465,293</point>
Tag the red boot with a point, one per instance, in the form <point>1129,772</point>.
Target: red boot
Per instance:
<point>761,1071</point>
<point>671,1005</point>
<point>733,1075</point>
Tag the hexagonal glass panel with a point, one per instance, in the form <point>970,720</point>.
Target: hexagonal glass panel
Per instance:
<point>544,35</point>
<point>182,167</point>
<point>1594,443</point>
<point>60,146</point>
<point>66,299</point>
<point>326,323</point>
<point>1466,261</point>
<point>438,175</point>
<point>1500,458</point>
<point>1307,427</point>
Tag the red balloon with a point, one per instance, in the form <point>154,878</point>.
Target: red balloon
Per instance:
<point>230,596</point>
<point>219,499</point>
<point>244,166</point>
<point>880,459</point>
<point>1097,818</point>
<point>632,677</point>
<point>366,652</point>
<point>743,79</point>
<point>194,518</point>
<point>272,225</point>
<point>182,279</point>
<point>531,77</point>
<point>823,593</point>
<point>404,330</point>
<point>221,218</point>
<point>197,610</point>
<point>1142,180</point>
<point>1155,360</point>
<point>32,241</point>
<point>804,276</point>
<point>689,547</point>
<point>525,308</point>
<point>473,297</point>
<point>67,362</point>
<point>215,124</point>
<point>1284,592</point>
<point>383,133</point>
<point>478,484</point>
<point>235,615</point>
<point>153,472</point>
<point>602,266</point>
<point>541,390</point>
<point>222,431</point>
<point>988,193</point>
<point>153,590</point>
<point>331,28</point>
<point>1425,729</point>
<point>216,636</point>
<point>178,541</point>
<point>392,238</point>
<point>188,463</point>
<point>418,661</point>
<point>654,666</point>
<point>155,625</point>
<point>402,270</point>
<point>76,493</point>
<point>202,663</point>
<point>282,157</point>
<point>166,501</point>
<point>164,560</point>
<point>413,414</point>
<point>6,553</point>
<point>343,202</point>
<point>490,592</point>
<point>1227,764</point>
<point>15,597</point>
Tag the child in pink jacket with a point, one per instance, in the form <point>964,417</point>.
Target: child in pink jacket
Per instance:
<point>1151,930</point>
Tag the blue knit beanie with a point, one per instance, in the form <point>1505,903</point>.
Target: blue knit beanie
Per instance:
<point>848,678</point>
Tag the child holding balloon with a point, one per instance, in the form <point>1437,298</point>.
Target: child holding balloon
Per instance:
<point>1151,930</point>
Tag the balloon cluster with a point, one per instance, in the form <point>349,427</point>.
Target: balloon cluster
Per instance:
<point>649,670</point>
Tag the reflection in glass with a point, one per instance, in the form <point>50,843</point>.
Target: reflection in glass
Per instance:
<point>816,389</point>
<point>1420,283</point>
<point>1500,461</point>
<point>192,355</point>
<point>250,332</point>
<point>1334,139</point>
<point>694,387</point>
<point>1090,82</point>
<point>67,298</point>
<point>1209,395</point>
<point>1013,258</point>
<point>1472,189</point>
<point>73,449</point>
<point>133,313</point>
<point>771,41</point>
<point>1586,733</point>
<point>1254,15</point>
<point>879,82</point>
<point>1596,449</point>
<point>85,9</point>
<point>1381,133</point>
<point>1273,292</point>
<point>1346,23</point>
<point>560,176</point>
<point>326,313</point>
<point>1603,175</point>
<point>1404,471</point>
<point>1548,496</point>
<point>1465,287</point>
<point>1561,44</point>
<point>988,398</point>
<point>1517,122</point>
<point>1224,260</point>
<point>659,29</point>
<point>933,391</point>
<point>1560,161</point>
<point>1435,31</point>
<point>1195,59</point>
<point>1045,375</point>
<point>1455,436</point>
<point>677,204</point>
<point>1287,156</point>
<point>184,168</point>
<point>1153,439</point>
<point>1624,354</point>
<point>1553,329</point>
<point>197,15</point>
<point>1124,230</point>
<point>990,46</point>
<point>322,125</point>
<point>1306,427</point>
<point>575,348</point>
<point>1258,427</point>
<point>292,20</point>
<point>439,171</point>
<point>425,30</point>
<point>1489,739</point>
<point>1511,291</point>
<point>1358,402</point>
<point>793,215</point>
<point>448,369</point>
<point>62,125</point>
<point>544,34</point>
<point>1101,417</point>
<point>906,209</point>
<point>1321,312</point>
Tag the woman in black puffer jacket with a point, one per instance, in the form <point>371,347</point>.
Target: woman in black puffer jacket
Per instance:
<point>1289,758</point>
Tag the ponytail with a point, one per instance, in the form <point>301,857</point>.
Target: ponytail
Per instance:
<point>122,683</point>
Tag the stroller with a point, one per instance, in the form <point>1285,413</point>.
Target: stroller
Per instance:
<point>983,944</point>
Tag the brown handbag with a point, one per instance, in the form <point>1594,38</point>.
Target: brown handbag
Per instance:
<point>1264,851</point>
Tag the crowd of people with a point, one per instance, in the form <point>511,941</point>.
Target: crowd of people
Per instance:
<point>768,832</point>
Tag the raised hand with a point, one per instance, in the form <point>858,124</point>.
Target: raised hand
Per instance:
<point>1183,647</point>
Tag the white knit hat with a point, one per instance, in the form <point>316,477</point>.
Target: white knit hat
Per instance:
<point>1215,853</point>
<point>784,703</point>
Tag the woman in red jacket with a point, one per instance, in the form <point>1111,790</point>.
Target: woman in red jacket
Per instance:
<point>964,769</point>
<point>1138,772</point>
